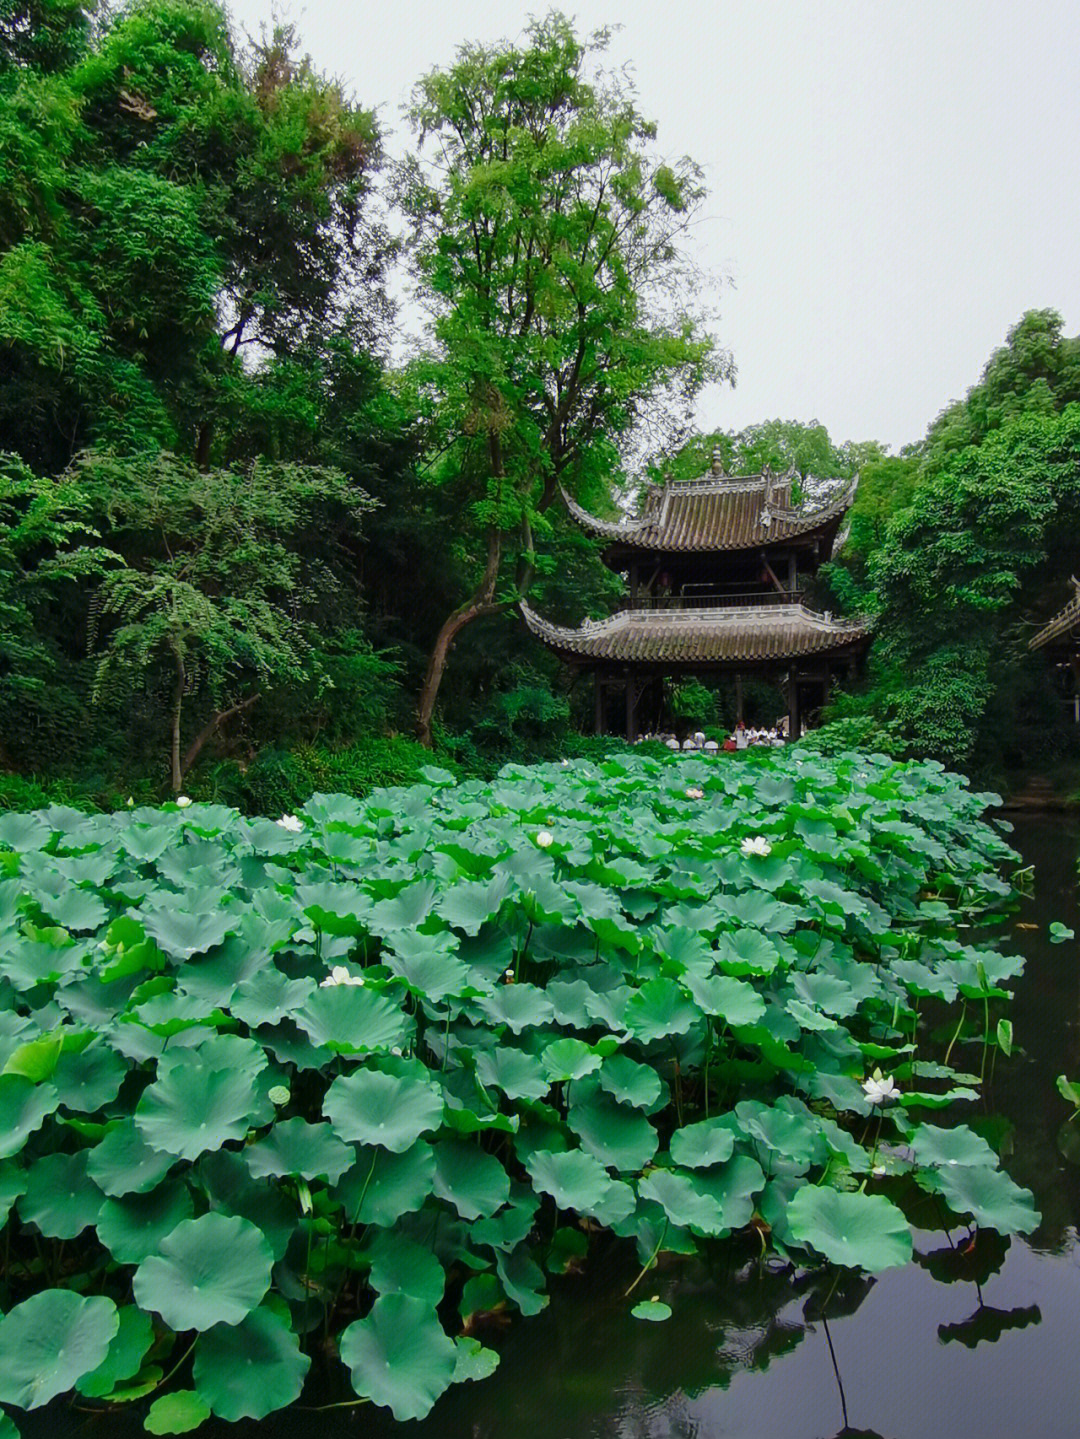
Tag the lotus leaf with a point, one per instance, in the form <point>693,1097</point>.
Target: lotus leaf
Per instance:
<point>296,1147</point>
<point>247,1370</point>
<point>383,1185</point>
<point>659,1009</point>
<point>938,1147</point>
<point>513,1072</point>
<point>630,1082</point>
<point>59,1197</point>
<point>518,1006</point>
<point>470,1179</point>
<point>123,1164</point>
<point>49,1342</point>
<point>401,1266</point>
<point>710,1141</point>
<point>473,1360</point>
<point>212,1270</point>
<point>190,1109</point>
<point>574,1179</point>
<point>369,1107</point>
<point>861,1231</point>
<point>988,1195</point>
<point>684,1200</point>
<point>353,1019</point>
<point>176,1413</point>
<point>567,1059</point>
<point>133,1227</point>
<point>400,1356</point>
<point>616,1134</point>
<point>127,1350</point>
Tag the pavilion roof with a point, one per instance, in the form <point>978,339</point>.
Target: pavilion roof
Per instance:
<point>1063,622</point>
<point>719,512</point>
<point>745,634</point>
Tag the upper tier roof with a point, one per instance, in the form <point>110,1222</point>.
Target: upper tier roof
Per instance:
<point>746,634</point>
<point>720,512</point>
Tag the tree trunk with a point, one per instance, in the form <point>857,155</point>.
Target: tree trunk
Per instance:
<point>176,776</point>
<point>217,719</point>
<point>479,603</point>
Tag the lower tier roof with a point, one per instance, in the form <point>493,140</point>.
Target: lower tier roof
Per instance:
<point>746,634</point>
<point>1061,626</point>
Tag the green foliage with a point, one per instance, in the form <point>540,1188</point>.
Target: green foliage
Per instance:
<point>344,1076</point>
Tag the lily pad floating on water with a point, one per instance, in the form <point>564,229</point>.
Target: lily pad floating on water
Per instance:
<point>177,1413</point>
<point>653,1309</point>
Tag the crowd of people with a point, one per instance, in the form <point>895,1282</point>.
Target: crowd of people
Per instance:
<point>740,738</point>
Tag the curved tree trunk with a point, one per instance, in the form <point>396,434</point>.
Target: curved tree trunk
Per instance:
<point>480,603</point>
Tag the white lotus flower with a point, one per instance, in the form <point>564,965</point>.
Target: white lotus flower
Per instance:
<point>290,822</point>
<point>182,801</point>
<point>130,802</point>
<point>340,975</point>
<point>545,839</point>
<point>879,1090</point>
<point>758,844</point>
<point>694,793</point>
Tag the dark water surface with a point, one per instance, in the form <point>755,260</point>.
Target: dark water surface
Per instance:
<point>979,1346</point>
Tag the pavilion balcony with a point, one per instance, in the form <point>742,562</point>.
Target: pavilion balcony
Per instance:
<point>694,597</point>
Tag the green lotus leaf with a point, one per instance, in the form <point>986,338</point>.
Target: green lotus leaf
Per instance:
<point>368,1107</point>
<point>190,1109</point>
<point>181,932</point>
<point>9,1431</point>
<point>247,1370</point>
<point>653,1309</point>
<point>574,1179</point>
<point>936,1147</point>
<point>660,1009</point>
<point>630,1082</point>
<point>212,1270</point>
<point>481,1295</point>
<point>518,1006</point>
<point>827,993</point>
<point>860,1231</point>
<point>298,1148</point>
<point>176,1413</point>
<point>746,952</point>
<point>401,1266</point>
<point>127,1350</point>
<point>468,905</point>
<point>12,1184</point>
<point>77,909</point>
<point>731,1000</point>
<point>88,1079</point>
<point>59,1197</point>
<point>710,1141</point>
<point>567,1059</point>
<point>268,996</point>
<point>684,1200</point>
<point>793,1135</point>
<point>132,1227</point>
<point>566,1251</point>
<point>353,1018</point>
<point>516,1074</point>
<point>469,1178</point>
<point>47,956</point>
<point>123,1164</point>
<point>616,1134</point>
<point>400,1356</point>
<point>473,1361</point>
<point>230,1190</point>
<point>688,950</point>
<point>406,910</point>
<point>49,1342</point>
<point>427,966</point>
<point>37,1058</point>
<point>24,832</point>
<point>809,1019</point>
<point>522,1280</point>
<point>381,1186</point>
<point>988,1195</point>
<point>733,1186</point>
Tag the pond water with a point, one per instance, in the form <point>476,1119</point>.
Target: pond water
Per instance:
<point>956,1346</point>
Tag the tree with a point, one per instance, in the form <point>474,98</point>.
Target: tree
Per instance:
<point>547,239</point>
<point>215,586</point>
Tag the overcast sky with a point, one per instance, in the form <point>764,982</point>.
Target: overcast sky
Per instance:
<point>892,184</point>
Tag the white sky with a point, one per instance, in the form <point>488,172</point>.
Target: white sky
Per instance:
<point>892,184</point>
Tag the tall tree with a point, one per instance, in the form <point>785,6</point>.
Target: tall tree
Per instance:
<point>548,241</point>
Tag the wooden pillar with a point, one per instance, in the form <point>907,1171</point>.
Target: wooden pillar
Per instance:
<point>631,730</point>
<point>598,703</point>
<point>794,717</point>
<point>792,572</point>
<point>633,583</point>
<point>738,700</point>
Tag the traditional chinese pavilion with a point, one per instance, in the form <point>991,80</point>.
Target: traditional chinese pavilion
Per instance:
<point>1059,638</point>
<point>716,569</point>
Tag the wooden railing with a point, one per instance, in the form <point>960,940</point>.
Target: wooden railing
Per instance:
<point>712,599</point>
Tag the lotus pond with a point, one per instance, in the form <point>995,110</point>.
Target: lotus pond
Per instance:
<point>687,1050</point>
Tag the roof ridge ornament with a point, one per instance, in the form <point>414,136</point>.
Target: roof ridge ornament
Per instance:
<point>717,466</point>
